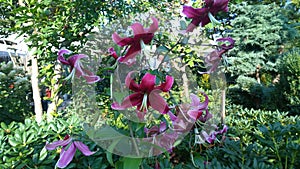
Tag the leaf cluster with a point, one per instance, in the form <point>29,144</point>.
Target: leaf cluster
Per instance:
<point>15,92</point>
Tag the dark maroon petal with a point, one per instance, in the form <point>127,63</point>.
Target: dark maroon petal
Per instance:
<point>121,41</point>
<point>205,20</point>
<point>148,82</point>
<point>219,5</point>
<point>113,53</point>
<point>73,60</point>
<point>166,86</point>
<point>130,83</point>
<point>146,37</point>
<point>209,3</point>
<point>78,70</point>
<point>157,102</point>
<point>191,12</point>
<point>61,57</point>
<point>194,114</point>
<point>89,76</point>
<point>167,140</point>
<point>224,130</point>
<point>206,117</point>
<point>199,15</point>
<point>224,46</point>
<point>129,101</point>
<point>133,50</point>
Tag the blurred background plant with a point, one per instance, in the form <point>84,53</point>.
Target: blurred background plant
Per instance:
<point>15,93</point>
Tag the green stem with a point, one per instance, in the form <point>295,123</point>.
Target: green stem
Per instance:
<point>276,150</point>
<point>133,139</point>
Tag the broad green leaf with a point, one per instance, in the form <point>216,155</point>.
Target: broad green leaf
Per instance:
<point>13,142</point>
<point>43,154</point>
<point>110,149</point>
<point>132,163</point>
<point>24,137</point>
<point>3,125</point>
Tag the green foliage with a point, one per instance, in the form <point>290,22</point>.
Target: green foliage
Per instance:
<point>15,92</point>
<point>244,122</point>
<point>248,92</point>
<point>50,25</point>
<point>283,140</point>
<point>23,144</point>
<point>258,31</point>
<point>289,83</point>
<point>257,139</point>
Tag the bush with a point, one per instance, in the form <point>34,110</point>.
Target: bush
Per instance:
<point>257,139</point>
<point>15,92</point>
<point>22,145</point>
<point>289,84</point>
<point>244,123</point>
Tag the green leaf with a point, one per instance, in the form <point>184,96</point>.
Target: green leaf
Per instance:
<point>161,49</point>
<point>109,150</point>
<point>43,154</point>
<point>18,136</point>
<point>30,138</point>
<point>13,142</point>
<point>3,125</point>
<point>132,163</point>
<point>28,122</point>
<point>24,137</point>
<point>185,41</point>
<point>183,25</point>
<point>109,158</point>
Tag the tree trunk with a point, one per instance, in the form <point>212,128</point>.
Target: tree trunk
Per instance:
<point>35,89</point>
<point>223,99</point>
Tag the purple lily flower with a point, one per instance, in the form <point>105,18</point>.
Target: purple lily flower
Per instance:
<point>146,94</point>
<point>76,67</point>
<point>113,53</point>
<point>197,107</point>
<point>140,34</point>
<point>159,137</point>
<point>209,138</point>
<point>203,15</point>
<point>213,135</point>
<point>213,59</point>
<point>222,131</point>
<point>224,46</point>
<point>68,150</point>
<point>155,130</point>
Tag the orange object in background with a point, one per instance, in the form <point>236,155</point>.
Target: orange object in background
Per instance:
<point>11,86</point>
<point>48,93</point>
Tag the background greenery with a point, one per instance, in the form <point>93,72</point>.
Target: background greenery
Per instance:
<point>262,72</point>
